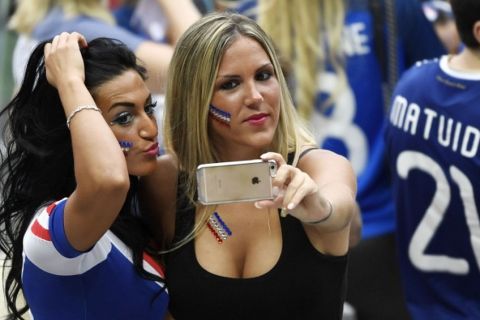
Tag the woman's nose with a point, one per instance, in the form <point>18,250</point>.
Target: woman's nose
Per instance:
<point>149,127</point>
<point>253,96</point>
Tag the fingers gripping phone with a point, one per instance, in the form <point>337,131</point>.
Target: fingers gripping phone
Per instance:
<point>235,181</point>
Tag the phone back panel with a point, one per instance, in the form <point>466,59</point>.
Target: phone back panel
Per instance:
<point>235,181</point>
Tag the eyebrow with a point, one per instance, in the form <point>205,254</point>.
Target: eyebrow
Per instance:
<point>128,104</point>
<point>228,76</point>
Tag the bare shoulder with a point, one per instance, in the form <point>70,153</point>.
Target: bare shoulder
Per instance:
<point>158,197</point>
<point>167,168</point>
<point>169,161</point>
<point>161,184</point>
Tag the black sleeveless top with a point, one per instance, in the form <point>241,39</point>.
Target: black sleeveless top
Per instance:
<point>304,283</point>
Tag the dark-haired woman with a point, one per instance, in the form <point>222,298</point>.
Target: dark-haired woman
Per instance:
<point>81,131</point>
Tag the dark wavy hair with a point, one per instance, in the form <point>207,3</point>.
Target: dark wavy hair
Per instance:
<point>37,163</point>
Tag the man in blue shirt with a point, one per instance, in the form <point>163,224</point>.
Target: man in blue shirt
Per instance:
<point>433,139</point>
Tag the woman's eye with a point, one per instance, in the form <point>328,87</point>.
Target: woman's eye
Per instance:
<point>122,119</point>
<point>150,108</point>
<point>229,85</point>
<point>263,75</point>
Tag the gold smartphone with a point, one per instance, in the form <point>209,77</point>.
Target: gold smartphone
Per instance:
<point>235,181</point>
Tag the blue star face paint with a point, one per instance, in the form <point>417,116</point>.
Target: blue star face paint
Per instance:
<point>125,145</point>
<point>219,115</point>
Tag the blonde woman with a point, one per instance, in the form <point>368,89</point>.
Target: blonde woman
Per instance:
<point>41,20</point>
<point>227,100</point>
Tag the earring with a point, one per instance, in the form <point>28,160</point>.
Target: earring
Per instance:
<point>125,146</point>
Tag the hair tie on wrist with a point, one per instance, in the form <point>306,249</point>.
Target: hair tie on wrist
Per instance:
<point>81,108</point>
<point>330,211</point>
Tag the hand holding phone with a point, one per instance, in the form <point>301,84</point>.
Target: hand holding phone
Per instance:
<point>235,181</point>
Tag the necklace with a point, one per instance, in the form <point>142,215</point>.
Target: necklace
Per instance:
<point>218,228</point>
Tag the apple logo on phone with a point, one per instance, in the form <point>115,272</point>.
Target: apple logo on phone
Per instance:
<point>255,180</point>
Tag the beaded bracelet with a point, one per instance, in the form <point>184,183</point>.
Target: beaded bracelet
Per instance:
<point>78,109</point>
<point>324,218</point>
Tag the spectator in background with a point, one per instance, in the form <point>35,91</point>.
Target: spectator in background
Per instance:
<point>344,59</point>
<point>439,13</point>
<point>433,141</point>
<point>144,18</point>
<point>40,20</point>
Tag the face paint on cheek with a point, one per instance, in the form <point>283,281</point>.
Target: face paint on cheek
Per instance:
<point>125,146</point>
<point>219,115</point>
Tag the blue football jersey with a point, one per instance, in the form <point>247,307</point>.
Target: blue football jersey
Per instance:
<point>433,139</point>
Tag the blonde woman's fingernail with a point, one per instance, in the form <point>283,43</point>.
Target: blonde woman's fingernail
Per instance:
<point>290,206</point>
<point>257,205</point>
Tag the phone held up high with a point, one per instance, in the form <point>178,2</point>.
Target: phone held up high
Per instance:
<point>235,181</point>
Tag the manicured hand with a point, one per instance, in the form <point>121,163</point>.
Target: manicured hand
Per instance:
<point>292,185</point>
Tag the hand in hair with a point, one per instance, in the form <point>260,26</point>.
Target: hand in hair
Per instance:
<point>63,60</point>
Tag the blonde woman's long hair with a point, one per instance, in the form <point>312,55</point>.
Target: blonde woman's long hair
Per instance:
<point>308,33</point>
<point>29,13</point>
<point>190,85</point>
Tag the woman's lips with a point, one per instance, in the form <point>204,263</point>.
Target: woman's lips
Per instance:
<point>153,150</point>
<point>257,119</point>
